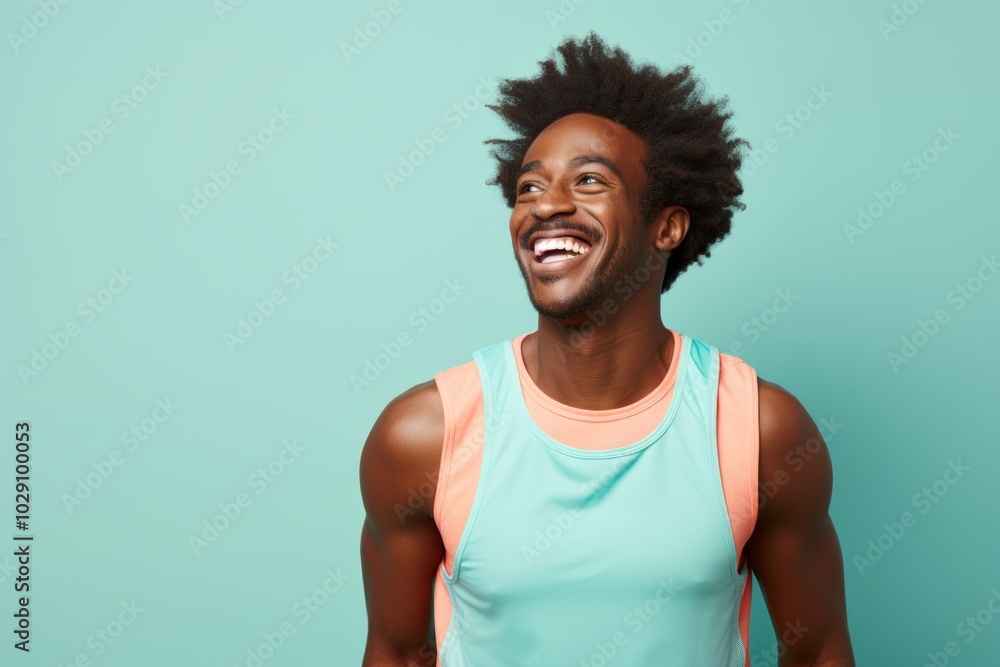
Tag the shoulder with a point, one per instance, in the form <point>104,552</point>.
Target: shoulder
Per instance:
<point>402,457</point>
<point>796,475</point>
<point>412,420</point>
<point>403,450</point>
<point>794,471</point>
<point>784,422</point>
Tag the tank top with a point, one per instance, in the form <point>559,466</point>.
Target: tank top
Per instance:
<point>624,555</point>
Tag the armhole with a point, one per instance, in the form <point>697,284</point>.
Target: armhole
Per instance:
<point>739,447</point>
<point>753,462</point>
<point>753,490</point>
<point>441,604</point>
<point>447,446</point>
<point>461,456</point>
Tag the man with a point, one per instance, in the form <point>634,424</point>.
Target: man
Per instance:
<point>599,491</point>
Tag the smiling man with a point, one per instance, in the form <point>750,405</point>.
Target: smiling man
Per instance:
<point>601,490</point>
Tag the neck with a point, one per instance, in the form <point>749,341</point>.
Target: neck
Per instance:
<point>600,367</point>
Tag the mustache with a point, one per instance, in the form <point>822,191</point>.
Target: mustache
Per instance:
<point>592,235</point>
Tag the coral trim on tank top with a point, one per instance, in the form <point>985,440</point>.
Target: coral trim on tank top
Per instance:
<point>600,429</point>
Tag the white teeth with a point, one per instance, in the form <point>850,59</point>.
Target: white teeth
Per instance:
<point>543,245</point>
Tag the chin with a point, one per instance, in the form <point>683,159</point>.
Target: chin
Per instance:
<point>572,307</point>
<point>554,298</point>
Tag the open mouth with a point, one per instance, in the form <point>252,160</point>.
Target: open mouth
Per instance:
<point>559,249</point>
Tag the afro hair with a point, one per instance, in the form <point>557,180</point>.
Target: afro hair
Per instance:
<point>691,158</point>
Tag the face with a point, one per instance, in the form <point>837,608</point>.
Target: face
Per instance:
<point>576,225</point>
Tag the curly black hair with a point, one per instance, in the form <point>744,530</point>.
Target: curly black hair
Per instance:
<point>691,157</point>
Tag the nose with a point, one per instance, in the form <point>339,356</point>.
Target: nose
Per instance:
<point>554,201</point>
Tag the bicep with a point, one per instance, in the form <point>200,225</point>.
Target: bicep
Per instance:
<point>401,547</point>
<point>398,568</point>
<point>794,550</point>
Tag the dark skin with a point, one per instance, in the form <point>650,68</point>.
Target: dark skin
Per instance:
<point>794,551</point>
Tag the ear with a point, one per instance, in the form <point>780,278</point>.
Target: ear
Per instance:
<point>670,225</point>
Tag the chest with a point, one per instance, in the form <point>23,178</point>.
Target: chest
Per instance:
<point>610,529</point>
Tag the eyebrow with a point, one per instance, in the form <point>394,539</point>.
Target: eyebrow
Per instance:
<point>575,162</point>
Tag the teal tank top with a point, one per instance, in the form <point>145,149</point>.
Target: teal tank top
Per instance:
<point>618,557</point>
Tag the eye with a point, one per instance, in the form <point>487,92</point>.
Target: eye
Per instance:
<point>524,187</point>
<point>593,177</point>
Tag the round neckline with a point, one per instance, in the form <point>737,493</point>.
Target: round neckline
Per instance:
<point>674,378</point>
<point>584,415</point>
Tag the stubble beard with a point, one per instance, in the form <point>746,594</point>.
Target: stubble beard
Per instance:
<point>598,287</point>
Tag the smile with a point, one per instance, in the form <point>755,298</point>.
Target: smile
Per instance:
<point>559,250</point>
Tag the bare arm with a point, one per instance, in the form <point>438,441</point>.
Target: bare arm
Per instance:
<point>400,545</point>
<point>794,550</point>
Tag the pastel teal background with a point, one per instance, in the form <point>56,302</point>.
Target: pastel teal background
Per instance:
<point>164,335</point>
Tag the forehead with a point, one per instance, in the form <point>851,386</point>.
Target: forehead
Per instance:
<point>587,134</point>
